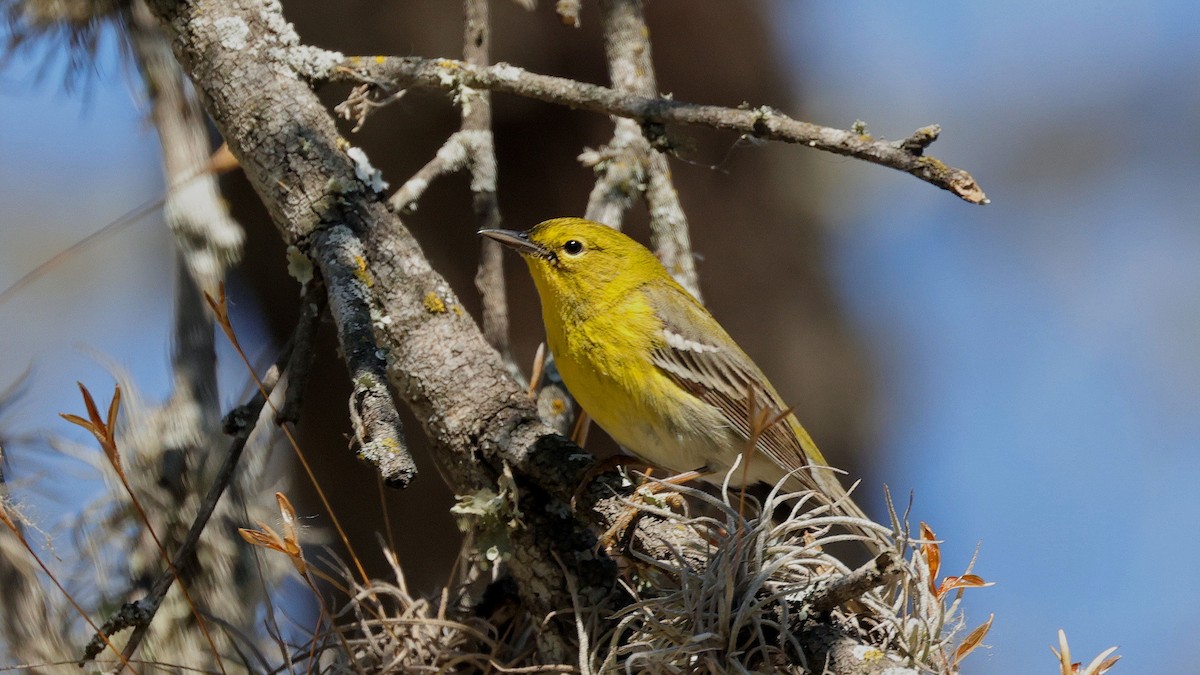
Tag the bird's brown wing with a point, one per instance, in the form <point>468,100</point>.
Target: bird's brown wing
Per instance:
<point>699,356</point>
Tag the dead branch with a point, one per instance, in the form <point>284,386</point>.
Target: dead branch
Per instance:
<point>377,428</point>
<point>760,122</point>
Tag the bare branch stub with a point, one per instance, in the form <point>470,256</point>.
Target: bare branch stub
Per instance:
<point>568,11</point>
<point>920,139</point>
<point>761,122</point>
<point>377,428</point>
<point>881,570</point>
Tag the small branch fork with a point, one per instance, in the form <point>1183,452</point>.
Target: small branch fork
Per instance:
<point>762,122</point>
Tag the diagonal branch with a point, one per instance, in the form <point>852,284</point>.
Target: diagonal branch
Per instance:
<point>760,122</point>
<point>480,421</point>
<point>376,422</point>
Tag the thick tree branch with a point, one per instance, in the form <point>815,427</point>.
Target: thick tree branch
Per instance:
<point>478,418</point>
<point>759,122</point>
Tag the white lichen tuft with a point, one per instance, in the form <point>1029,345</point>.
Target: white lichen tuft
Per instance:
<point>282,29</point>
<point>365,171</point>
<point>232,32</point>
<point>299,266</point>
<point>507,71</point>
<point>313,63</point>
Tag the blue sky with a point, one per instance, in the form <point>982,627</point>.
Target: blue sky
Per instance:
<point>1039,358</point>
<point>69,163</point>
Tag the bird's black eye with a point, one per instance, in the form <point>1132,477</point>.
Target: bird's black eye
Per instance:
<point>573,247</point>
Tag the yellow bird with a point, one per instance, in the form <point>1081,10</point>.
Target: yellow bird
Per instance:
<point>655,370</point>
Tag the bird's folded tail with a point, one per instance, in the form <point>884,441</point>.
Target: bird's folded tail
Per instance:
<point>822,480</point>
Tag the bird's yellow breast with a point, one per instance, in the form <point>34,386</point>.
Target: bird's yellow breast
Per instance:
<point>624,392</point>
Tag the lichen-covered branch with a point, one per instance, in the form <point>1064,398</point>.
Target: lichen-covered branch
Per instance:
<point>477,119</point>
<point>620,175</point>
<point>760,122</point>
<point>206,236</point>
<point>478,418</point>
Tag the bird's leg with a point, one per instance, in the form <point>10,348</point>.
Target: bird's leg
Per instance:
<point>624,523</point>
<point>579,432</point>
<point>603,466</point>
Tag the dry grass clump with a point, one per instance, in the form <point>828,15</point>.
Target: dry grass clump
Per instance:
<point>769,586</point>
<point>750,594</point>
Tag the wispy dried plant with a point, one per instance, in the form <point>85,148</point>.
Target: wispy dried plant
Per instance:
<point>745,599</point>
<point>1097,666</point>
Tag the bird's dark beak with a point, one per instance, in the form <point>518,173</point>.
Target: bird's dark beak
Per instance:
<point>518,241</point>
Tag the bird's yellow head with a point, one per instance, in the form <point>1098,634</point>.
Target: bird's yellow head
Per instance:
<point>575,261</point>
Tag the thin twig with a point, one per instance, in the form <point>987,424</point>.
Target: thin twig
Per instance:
<point>477,119</point>
<point>214,166</point>
<point>451,157</point>
<point>299,365</point>
<point>760,122</point>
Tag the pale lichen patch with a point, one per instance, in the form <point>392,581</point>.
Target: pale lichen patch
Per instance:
<point>232,32</point>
